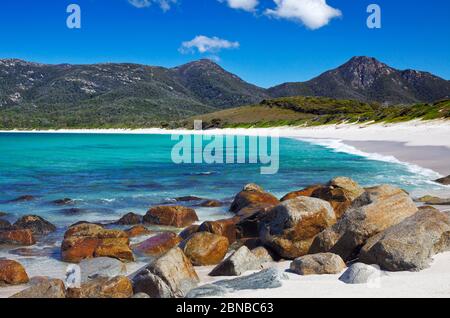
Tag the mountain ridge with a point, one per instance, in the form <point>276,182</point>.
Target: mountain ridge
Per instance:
<point>127,94</point>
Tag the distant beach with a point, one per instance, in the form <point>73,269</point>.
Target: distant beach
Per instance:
<point>423,143</point>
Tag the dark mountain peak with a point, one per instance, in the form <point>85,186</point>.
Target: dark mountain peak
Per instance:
<point>213,85</point>
<point>367,60</point>
<point>367,79</point>
<point>361,72</point>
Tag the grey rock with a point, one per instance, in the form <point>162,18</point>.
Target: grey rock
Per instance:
<point>267,278</point>
<point>317,264</point>
<point>444,181</point>
<point>101,267</point>
<point>360,273</point>
<point>47,289</point>
<point>171,275</point>
<point>410,244</point>
<point>152,285</point>
<point>376,210</point>
<point>237,263</point>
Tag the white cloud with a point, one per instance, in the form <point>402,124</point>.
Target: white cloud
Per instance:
<point>164,4</point>
<point>204,44</point>
<point>246,5</point>
<point>312,13</point>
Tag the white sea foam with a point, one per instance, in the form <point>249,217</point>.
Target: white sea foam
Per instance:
<point>338,145</point>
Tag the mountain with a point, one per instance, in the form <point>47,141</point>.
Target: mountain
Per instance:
<point>108,89</point>
<point>366,79</point>
<point>34,95</point>
<point>212,85</point>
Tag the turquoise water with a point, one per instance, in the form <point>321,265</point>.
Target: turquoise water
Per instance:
<point>109,175</point>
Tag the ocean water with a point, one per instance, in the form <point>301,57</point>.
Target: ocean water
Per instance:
<point>109,175</point>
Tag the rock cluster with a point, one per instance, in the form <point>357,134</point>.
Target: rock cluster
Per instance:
<point>87,240</point>
<point>322,229</point>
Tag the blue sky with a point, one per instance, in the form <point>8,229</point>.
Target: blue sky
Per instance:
<point>273,42</point>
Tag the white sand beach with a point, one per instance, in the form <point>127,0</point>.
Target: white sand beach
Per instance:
<point>433,282</point>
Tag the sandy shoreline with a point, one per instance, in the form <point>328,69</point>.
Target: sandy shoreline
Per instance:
<point>423,143</point>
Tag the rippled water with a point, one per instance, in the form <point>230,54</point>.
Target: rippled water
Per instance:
<point>108,175</point>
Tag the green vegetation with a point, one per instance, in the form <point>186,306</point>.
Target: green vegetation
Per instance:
<point>287,111</point>
<point>312,111</point>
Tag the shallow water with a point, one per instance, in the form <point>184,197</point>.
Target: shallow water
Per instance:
<point>109,175</point>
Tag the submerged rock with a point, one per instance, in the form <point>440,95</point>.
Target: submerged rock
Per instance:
<point>267,278</point>
<point>53,288</point>
<point>176,215</point>
<point>410,244</point>
<point>360,273</point>
<point>252,194</point>
<point>430,200</point>
<point>130,219</point>
<point>188,198</point>
<point>376,210</point>
<point>237,263</point>
<point>12,272</point>
<point>290,227</point>
<point>34,252</point>
<point>72,211</point>
<point>65,201</point>
<point>36,224</point>
<point>318,264</point>
<point>17,237</point>
<point>444,180</point>
<point>204,248</point>
<point>23,198</point>
<point>171,275</point>
<point>211,204</point>
<point>158,244</point>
